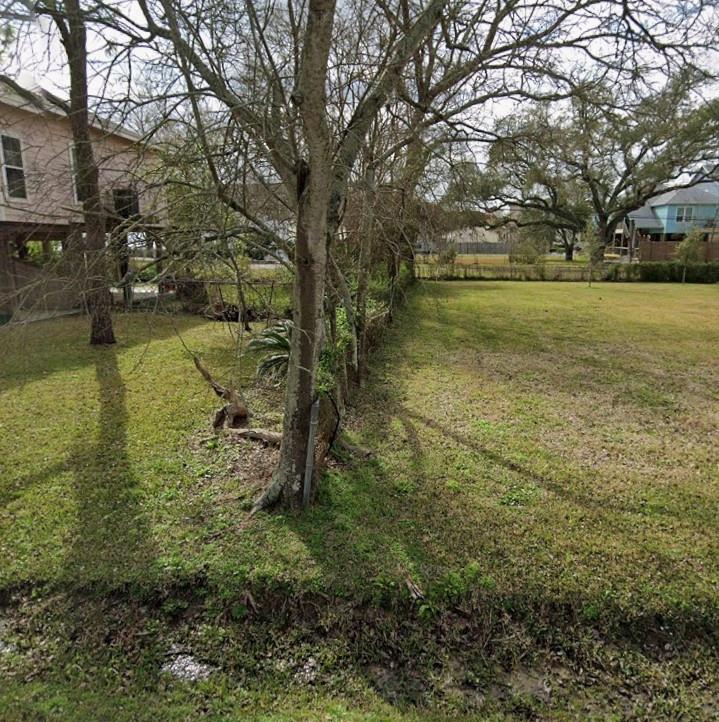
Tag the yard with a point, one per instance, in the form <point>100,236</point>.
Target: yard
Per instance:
<point>535,534</point>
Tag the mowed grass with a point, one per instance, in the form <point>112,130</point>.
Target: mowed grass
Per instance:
<point>563,440</point>
<point>547,451</point>
<point>99,483</point>
<point>559,441</point>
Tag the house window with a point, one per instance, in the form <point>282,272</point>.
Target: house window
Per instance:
<point>126,202</point>
<point>13,169</point>
<point>685,214</point>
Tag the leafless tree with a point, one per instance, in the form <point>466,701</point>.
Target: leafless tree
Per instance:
<point>608,151</point>
<point>69,19</point>
<point>305,91</point>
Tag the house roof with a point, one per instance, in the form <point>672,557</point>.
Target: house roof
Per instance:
<point>645,217</point>
<point>701,193</point>
<point>39,100</point>
<point>706,193</point>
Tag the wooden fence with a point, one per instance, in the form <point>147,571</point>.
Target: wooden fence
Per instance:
<point>509,272</point>
<point>667,250</point>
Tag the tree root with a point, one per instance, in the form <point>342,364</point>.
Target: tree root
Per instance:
<point>269,497</point>
<point>340,448</point>
<point>234,413</point>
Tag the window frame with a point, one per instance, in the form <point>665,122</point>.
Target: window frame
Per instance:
<point>6,166</point>
<point>130,191</point>
<point>684,217</point>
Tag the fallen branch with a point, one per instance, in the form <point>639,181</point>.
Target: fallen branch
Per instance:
<point>341,447</point>
<point>269,437</point>
<point>234,413</point>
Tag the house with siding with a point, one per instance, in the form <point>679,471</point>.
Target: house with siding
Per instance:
<point>39,201</point>
<point>664,221</point>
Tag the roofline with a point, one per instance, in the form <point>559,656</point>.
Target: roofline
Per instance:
<point>686,203</point>
<point>30,102</point>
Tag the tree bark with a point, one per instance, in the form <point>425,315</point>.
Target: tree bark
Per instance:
<point>307,337</point>
<point>316,204</point>
<point>366,228</point>
<point>97,292</point>
<point>605,234</point>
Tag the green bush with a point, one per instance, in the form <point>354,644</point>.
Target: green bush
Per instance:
<point>525,252</point>
<point>672,272</point>
<point>662,272</point>
<point>147,275</point>
<point>448,255</point>
<point>274,344</point>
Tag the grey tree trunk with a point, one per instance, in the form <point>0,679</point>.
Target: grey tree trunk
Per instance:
<point>97,292</point>
<point>605,233</point>
<point>307,338</point>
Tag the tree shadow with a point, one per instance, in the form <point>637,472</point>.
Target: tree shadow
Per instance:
<point>372,526</point>
<point>35,351</point>
<point>396,514</point>
<point>112,540</point>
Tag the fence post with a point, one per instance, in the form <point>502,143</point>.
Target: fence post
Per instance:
<point>310,459</point>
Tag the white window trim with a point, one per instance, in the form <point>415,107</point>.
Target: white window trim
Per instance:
<point>685,218</point>
<point>3,181</point>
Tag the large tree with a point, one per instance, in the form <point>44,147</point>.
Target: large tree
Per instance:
<point>69,18</point>
<point>609,150</point>
<point>302,86</point>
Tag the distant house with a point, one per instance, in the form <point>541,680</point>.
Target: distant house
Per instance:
<point>468,232</point>
<point>660,225</point>
<point>468,240</point>
<point>38,196</point>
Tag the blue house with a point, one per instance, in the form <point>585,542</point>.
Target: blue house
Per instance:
<point>671,215</point>
<point>665,219</point>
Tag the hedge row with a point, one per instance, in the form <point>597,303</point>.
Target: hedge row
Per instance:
<point>663,272</point>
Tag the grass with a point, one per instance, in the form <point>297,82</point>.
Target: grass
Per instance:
<point>498,259</point>
<point>546,471</point>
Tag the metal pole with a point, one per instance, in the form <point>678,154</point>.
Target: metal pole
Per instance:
<point>310,460</point>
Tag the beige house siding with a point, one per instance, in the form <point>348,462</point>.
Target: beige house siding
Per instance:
<point>46,152</point>
<point>475,234</point>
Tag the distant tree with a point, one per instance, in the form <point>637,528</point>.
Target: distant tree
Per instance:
<point>532,240</point>
<point>688,251</point>
<point>606,153</point>
<point>592,243</point>
<point>559,210</point>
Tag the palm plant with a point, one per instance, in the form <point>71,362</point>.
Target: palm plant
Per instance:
<point>274,343</point>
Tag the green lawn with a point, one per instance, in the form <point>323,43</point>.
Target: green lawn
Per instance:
<point>546,470</point>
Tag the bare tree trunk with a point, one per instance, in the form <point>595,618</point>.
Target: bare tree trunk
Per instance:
<point>314,179</point>
<point>307,338</point>
<point>605,233</point>
<point>365,238</point>
<point>97,292</point>
<point>569,248</point>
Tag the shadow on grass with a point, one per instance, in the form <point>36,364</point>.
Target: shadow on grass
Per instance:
<point>404,514</point>
<point>112,540</point>
<point>37,350</point>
